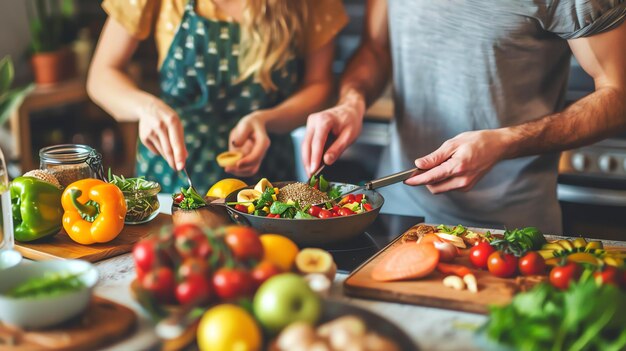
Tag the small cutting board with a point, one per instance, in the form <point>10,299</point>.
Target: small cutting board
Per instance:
<point>429,291</point>
<point>102,323</point>
<point>61,246</point>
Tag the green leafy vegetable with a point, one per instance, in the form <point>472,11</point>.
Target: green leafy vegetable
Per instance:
<point>140,201</point>
<point>280,207</point>
<point>456,230</point>
<point>520,241</point>
<point>303,215</point>
<point>191,199</point>
<point>584,317</point>
<point>334,192</point>
<point>265,199</point>
<point>48,285</point>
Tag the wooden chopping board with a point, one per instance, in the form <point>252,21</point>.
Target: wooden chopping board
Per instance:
<point>103,323</point>
<point>429,291</point>
<point>61,246</point>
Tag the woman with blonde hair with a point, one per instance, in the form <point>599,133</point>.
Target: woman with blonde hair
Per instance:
<point>231,71</point>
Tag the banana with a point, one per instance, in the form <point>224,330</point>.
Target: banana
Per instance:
<point>312,260</point>
<point>262,185</point>
<point>567,245</point>
<point>554,246</point>
<point>584,257</point>
<point>579,242</point>
<point>594,245</point>
<point>248,195</point>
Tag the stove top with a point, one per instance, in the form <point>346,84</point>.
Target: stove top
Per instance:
<point>348,255</point>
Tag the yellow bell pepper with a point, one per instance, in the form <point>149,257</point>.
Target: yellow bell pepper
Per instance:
<point>94,211</point>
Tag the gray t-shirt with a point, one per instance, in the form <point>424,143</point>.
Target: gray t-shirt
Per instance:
<point>463,65</point>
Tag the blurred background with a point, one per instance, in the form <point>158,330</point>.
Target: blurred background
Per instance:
<point>51,43</point>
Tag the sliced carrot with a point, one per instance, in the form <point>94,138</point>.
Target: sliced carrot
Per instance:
<point>454,269</point>
<point>406,261</point>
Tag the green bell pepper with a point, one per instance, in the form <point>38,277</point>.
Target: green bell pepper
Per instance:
<point>36,207</point>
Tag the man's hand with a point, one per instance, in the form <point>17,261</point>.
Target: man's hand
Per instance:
<point>344,121</point>
<point>161,131</point>
<point>250,138</point>
<point>461,162</point>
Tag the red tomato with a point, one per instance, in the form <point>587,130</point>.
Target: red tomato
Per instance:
<point>192,266</point>
<point>562,276</point>
<point>610,275</point>
<point>359,197</point>
<point>314,211</point>
<point>160,283</point>
<point>187,230</point>
<point>262,272</point>
<point>194,289</point>
<point>367,207</point>
<point>232,283</point>
<point>350,198</point>
<point>479,254</point>
<point>241,208</point>
<point>193,243</point>
<point>244,242</point>
<point>501,264</point>
<point>345,211</point>
<point>324,213</point>
<point>145,255</point>
<point>179,198</point>
<point>532,264</point>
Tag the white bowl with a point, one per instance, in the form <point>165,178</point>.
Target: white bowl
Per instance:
<point>9,258</point>
<point>42,312</point>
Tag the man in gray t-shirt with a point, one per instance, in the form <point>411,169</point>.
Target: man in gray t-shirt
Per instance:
<point>478,92</point>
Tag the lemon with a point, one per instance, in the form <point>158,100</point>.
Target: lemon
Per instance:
<point>279,250</point>
<point>228,327</point>
<point>224,187</point>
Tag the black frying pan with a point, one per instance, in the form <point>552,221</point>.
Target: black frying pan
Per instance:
<point>316,231</point>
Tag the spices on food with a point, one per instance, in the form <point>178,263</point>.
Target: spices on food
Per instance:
<point>302,194</point>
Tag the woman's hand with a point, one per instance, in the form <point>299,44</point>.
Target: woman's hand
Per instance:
<point>461,162</point>
<point>344,121</point>
<point>250,138</point>
<point>161,131</point>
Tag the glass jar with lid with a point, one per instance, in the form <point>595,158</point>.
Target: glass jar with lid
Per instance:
<point>71,162</point>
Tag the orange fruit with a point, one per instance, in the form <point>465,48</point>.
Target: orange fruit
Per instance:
<point>279,250</point>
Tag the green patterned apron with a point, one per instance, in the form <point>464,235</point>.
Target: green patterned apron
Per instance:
<point>199,81</point>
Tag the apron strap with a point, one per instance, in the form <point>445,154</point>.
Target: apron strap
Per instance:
<point>191,4</point>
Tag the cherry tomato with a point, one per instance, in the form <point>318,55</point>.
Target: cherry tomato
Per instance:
<point>345,211</point>
<point>335,209</point>
<point>244,242</point>
<point>324,213</point>
<point>187,230</point>
<point>262,272</point>
<point>562,276</point>
<point>367,207</point>
<point>359,197</point>
<point>314,211</point>
<point>610,275</point>
<point>241,208</point>
<point>145,255</point>
<point>160,283</point>
<point>501,264</point>
<point>532,264</point>
<point>193,243</point>
<point>192,266</point>
<point>479,254</point>
<point>232,283</point>
<point>194,289</point>
<point>179,198</point>
<point>350,198</point>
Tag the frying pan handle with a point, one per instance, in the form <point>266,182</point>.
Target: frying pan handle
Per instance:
<point>237,217</point>
<point>392,179</point>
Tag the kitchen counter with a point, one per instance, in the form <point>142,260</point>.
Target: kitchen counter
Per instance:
<point>430,328</point>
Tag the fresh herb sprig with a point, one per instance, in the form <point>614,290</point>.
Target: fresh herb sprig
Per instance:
<point>520,241</point>
<point>191,199</point>
<point>139,205</point>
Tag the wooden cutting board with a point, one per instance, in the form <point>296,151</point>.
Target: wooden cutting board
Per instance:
<point>103,323</point>
<point>61,246</point>
<point>429,291</point>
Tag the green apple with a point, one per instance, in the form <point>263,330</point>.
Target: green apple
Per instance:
<point>284,299</point>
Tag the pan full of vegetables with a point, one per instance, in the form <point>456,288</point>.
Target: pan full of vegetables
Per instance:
<point>310,214</point>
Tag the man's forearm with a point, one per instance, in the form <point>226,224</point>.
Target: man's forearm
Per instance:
<point>588,120</point>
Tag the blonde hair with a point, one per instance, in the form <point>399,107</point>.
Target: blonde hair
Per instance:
<point>270,31</point>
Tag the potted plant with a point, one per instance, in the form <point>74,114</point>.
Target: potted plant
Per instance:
<point>9,99</point>
<point>52,30</point>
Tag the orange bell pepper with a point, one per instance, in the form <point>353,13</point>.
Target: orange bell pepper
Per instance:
<point>94,211</point>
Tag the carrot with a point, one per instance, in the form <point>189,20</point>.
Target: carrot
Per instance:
<point>460,271</point>
<point>406,261</point>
